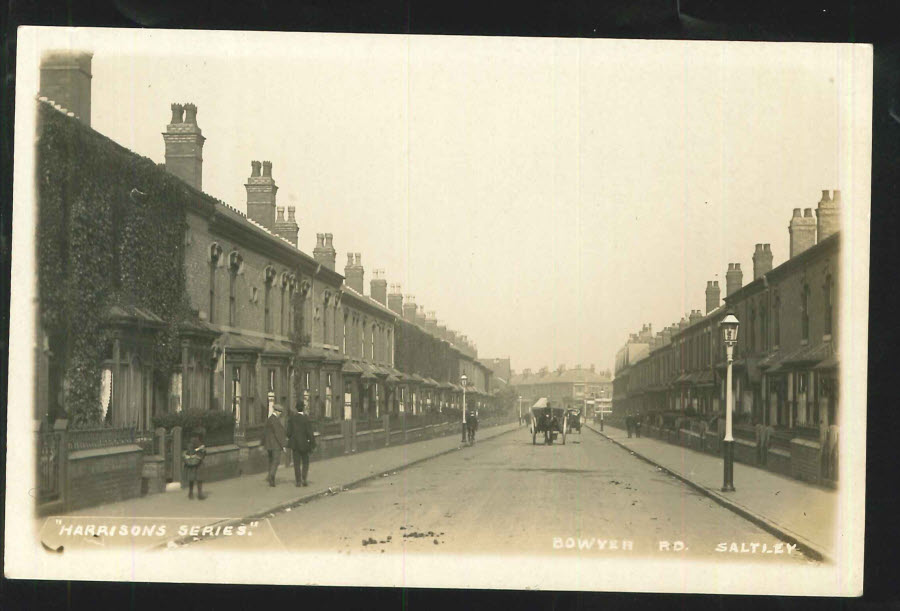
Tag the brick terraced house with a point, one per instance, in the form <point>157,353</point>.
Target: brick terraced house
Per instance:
<point>246,317</point>
<point>786,363</point>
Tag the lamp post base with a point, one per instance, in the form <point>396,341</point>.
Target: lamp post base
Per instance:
<point>728,455</point>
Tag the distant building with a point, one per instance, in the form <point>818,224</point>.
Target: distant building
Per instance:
<point>502,372</point>
<point>563,386</point>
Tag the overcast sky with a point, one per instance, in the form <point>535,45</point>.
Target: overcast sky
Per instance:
<point>545,197</point>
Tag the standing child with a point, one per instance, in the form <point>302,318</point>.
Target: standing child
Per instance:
<point>193,464</point>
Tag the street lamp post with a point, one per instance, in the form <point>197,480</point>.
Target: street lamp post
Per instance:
<point>464,379</point>
<point>520,410</point>
<point>729,327</point>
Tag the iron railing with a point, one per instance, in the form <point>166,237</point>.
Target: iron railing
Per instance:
<point>90,439</point>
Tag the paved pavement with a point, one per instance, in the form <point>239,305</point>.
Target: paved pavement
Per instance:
<point>790,507</point>
<point>588,498</point>
<point>250,494</point>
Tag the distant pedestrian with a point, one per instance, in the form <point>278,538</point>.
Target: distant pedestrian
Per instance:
<point>302,441</point>
<point>637,424</point>
<point>275,441</point>
<point>193,463</point>
<point>629,423</point>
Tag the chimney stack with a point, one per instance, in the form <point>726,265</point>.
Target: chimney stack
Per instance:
<point>420,315</point>
<point>734,278</point>
<point>828,215</point>
<point>695,315</point>
<point>802,230</point>
<point>66,80</point>
<point>762,260</point>
<point>409,308</point>
<point>395,300</point>
<point>354,273</point>
<point>713,295</point>
<point>378,287</point>
<point>287,229</point>
<point>261,192</point>
<point>184,146</point>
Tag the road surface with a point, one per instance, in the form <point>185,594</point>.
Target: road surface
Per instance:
<point>506,495</point>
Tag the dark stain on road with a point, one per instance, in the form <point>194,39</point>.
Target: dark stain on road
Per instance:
<point>549,470</point>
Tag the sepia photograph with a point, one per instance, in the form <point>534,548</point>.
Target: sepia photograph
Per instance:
<point>439,311</point>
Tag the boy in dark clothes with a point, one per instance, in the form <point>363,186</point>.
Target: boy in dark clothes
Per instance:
<point>193,464</point>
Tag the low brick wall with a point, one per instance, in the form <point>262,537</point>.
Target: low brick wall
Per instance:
<point>104,475</point>
<point>712,443</point>
<point>221,462</point>
<point>692,440</point>
<point>806,457</point>
<point>254,458</point>
<point>779,461</point>
<point>745,451</point>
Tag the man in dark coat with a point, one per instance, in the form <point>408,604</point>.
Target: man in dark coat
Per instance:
<point>274,440</point>
<point>302,441</point>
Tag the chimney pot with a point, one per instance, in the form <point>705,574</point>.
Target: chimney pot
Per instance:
<point>279,214</point>
<point>837,196</point>
<point>254,169</point>
<point>190,114</point>
<point>808,212</point>
<point>349,259</point>
<point>267,168</point>
<point>177,114</point>
<point>292,211</point>
<point>796,212</point>
<point>825,196</point>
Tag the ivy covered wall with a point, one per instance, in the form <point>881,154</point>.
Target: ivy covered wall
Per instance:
<point>111,228</point>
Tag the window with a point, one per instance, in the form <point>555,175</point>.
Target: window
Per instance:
<point>325,300</point>
<point>752,339</point>
<point>306,391</point>
<point>175,392</point>
<point>829,307</point>
<point>328,400</point>
<point>236,393</point>
<point>776,320</point>
<point>106,394</point>
<point>763,328</point>
<point>344,341</point>
<point>269,280</point>
<point>804,313</point>
<point>290,307</point>
<point>214,254</point>
<point>234,266</point>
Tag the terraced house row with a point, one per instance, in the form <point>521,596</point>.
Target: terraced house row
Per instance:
<point>156,298</point>
<point>786,362</point>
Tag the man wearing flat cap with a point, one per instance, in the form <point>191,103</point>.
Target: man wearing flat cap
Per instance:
<point>274,440</point>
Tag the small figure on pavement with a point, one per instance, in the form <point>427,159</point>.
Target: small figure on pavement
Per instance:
<point>637,424</point>
<point>275,441</point>
<point>471,425</point>
<point>629,423</point>
<point>193,463</point>
<point>302,441</point>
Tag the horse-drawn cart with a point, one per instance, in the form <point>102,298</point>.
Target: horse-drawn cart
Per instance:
<point>549,421</point>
